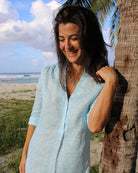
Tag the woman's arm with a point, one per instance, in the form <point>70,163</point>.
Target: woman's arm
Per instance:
<point>30,131</point>
<point>100,114</point>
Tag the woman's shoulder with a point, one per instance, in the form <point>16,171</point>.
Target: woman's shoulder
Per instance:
<point>91,83</point>
<point>49,68</point>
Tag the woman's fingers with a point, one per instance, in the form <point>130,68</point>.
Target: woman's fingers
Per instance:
<point>22,166</point>
<point>22,169</point>
<point>108,74</point>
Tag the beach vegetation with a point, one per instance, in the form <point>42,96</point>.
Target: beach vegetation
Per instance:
<point>99,136</point>
<point>22,91</point>
<point>94,168</point>
<point>13,123</point>
<point>13,164</point>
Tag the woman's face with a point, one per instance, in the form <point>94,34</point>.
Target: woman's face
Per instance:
<point>69,41</point>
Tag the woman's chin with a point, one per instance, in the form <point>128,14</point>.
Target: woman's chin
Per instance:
<point>72,59</point>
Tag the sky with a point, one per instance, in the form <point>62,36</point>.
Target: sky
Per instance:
<point>26,35</point>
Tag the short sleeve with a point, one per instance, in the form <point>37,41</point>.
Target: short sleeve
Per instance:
<point>34,118</point>
<point>98,90</point>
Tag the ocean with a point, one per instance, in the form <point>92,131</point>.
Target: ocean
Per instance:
<point>16,78</point>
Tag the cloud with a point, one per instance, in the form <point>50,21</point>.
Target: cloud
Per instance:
<point>49,54</point>
<point>6,13</point>
<point>34,62</point>
<point>37,33</point>
<point>4,6</point>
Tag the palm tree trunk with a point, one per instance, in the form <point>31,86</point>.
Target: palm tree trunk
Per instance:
<point>120,145</point>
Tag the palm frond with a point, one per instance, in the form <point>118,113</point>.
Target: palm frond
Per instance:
<point>84,3</point>
<point>115,21</point>
<point>102,8</point>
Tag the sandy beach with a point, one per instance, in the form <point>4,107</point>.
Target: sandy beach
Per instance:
<point>18,91</point>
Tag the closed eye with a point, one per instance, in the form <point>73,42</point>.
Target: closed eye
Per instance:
<point>61,38</point>
<point>74,38</point>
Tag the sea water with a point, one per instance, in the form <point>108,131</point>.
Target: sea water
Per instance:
<point>15,78</point>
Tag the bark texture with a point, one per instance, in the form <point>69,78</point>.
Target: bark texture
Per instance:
<point>120,145</point>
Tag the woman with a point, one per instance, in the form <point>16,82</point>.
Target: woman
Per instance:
<point>73,98</point>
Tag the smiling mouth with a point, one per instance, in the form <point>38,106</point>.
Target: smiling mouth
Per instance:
<point>71,52</point>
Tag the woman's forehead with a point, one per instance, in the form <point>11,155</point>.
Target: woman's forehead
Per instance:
<point>68,29</point>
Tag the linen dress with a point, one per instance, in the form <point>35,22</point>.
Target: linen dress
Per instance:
<point>61,140</point>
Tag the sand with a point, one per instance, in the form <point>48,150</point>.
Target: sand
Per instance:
<point>18,91</point>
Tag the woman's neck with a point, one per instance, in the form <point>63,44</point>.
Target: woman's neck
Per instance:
<point>75,69</point>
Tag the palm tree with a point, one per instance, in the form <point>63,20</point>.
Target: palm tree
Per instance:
<point>121,134</point>
<point>120,144</point>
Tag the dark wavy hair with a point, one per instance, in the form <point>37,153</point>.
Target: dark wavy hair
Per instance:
<point>94,52</point>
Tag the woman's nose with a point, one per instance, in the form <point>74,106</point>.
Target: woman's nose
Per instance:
<point>67,45</point>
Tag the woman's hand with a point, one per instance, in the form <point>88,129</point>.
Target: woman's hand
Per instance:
<point>22,164</point>
<point>108,74</point>
<point>30,131</point>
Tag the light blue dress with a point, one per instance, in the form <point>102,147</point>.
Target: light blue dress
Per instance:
<point>61,141</point>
